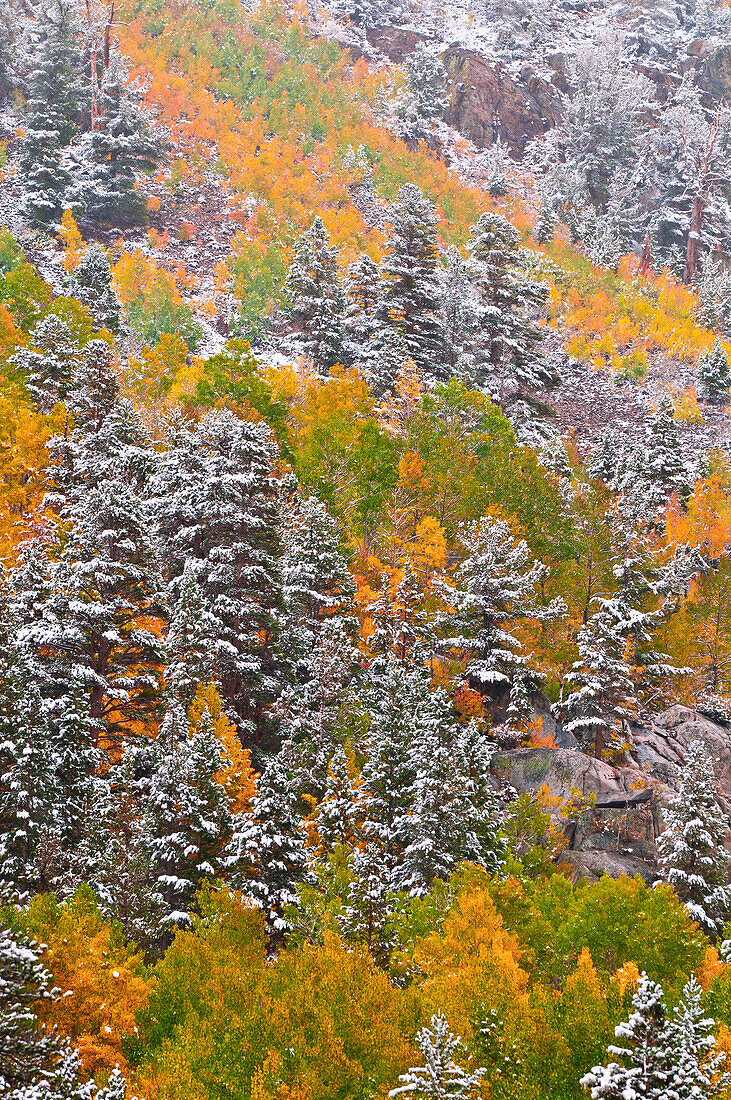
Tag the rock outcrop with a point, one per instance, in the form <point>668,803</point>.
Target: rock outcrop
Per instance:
<point>487,103</point>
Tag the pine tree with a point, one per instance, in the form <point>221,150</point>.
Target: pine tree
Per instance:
<point>412,303</point>
<point>49,363</point>
<point>697,1062</point>
<point>54,90</point>
<point>371,902</point>
<point>714,376</point>
<point>494,587</point>
<point>399,619</point>
<point>648,1060</point>
<point>505,335</point>
<point>186,811</point>
<point>316,583</point>
<point>667,470</point>
<point>94,388</point>
<point>362,318</point>
<point>445,822</point>
<point>600,702</point>
<point>546,221</point>
<point>214,499</point>
<point>316,297</point>
<point>91,284</point>
<point>123,145</point>
<point>338,817</point>
<point>692,853</point>
<point>189,660</point>
<point>26,1050</point>
<point>116,1089</point>
<point>267,856</point>
<point>440,1077</point>
<point>427,82</point>
<point>91,626</point>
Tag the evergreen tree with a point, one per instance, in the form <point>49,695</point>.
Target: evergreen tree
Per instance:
<point>338,818</point>
<point>459,309</point>
<point>440,1077</point>
<point>667,469</point>
<point>90,627</point>
<point>445,822</point>
<point>399,619</point>
<point>648,1061</point>
<point>26,1049</point>
<point>692,854</point>
<point>427,82</point>
<point>189,659</point>
<point>266,856</point>
<point>362,318</point>
<point>214,499</point>
<point>54,89</point>
<point>49,363</point>
<point>697,1062</point>
<point>493,588</point>
<point>123,145</point>
<point>412,303</point>
<point>714,377</point>
<point>600,702</point>
<point>371,903</point>
<point>506,338</point>
<point>316,297</point>
<point>546,221</point>
<point>94,387</point>
<point>91,284</point>
<point>186,811</point>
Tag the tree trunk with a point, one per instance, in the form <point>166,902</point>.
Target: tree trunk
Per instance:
<point>694,238</point>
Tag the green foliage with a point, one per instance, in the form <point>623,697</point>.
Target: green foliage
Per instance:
<point>156,312</point>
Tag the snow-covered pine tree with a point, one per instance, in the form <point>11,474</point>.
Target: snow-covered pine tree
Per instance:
<point>697,1062</point>
<point>116,1088</point>
<point>444,823</point>
<point>601,697</point>
<point>309,709</point>
<point>440,1077</point>
<point>547,219</point>
<point>648,1057</point>
<point>90,628</point>
<point>714,376</point>
<point>505,335</point>
<point>394,697</point>
<point>692,854</point>
<point>368,916</point>
<point>267,857</point>
<point>666,467</point>
<point>214,499</point>
<point>427,81</point>
<point>338,818</point>
<point>94,388</point>
<point>714,290</point>
<point>26,1050</point>
<point>91,284</point>
<point>54,89</point>
<point>399,620</point>
<point>189,660</point>
<point>362,319</point>
<point>493,588</point>
<point>49,362</point>
<point>186,812</point>
<point>316,582</point>
<point>412,303</point>
<point>458,316</point>
<point>316,299</point>
<point>123,145</point>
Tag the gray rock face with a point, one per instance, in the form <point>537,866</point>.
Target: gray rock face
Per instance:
<point>609,839</point>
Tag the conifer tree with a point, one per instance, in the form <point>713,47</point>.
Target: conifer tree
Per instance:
<point>316,297</point>
<point>90,628</point>
<point>91,284</point>
<point>440,1077</point>
<point>647,1052</point>
<point>49,363</point>
<point>338,817</point>
<point>427,82</point>
<point>692,853</point>
<point>494,587</point>
<point>123,145</point>
<point>362,318</point>
<point>697,1065</point>
<point>371,903</point>
<point>667,470</point>
<point>54,89</point>
<point>714,376</point>
<point>267,856</point>
<point>412,303</point>
<point>506,335</point>
<point>94,387</point>
<point>600,702</point>
<point>214,499</point>
<point>26,1049</point>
